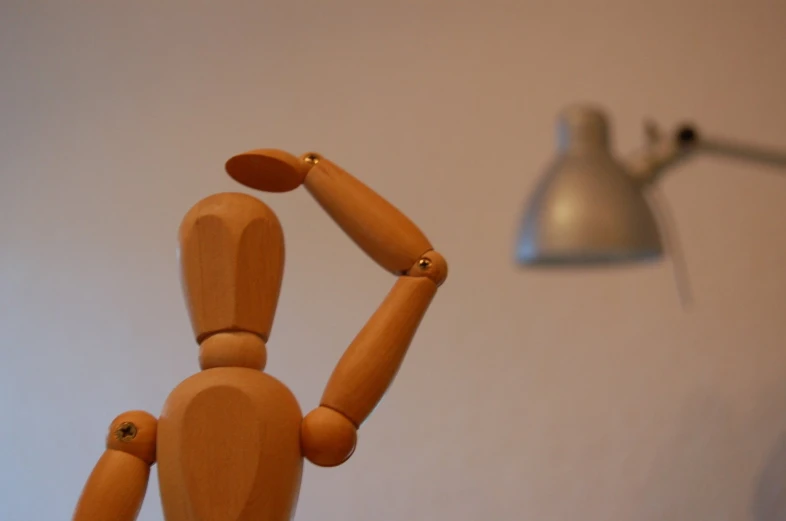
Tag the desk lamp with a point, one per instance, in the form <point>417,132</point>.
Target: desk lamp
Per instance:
<point>590,206</point>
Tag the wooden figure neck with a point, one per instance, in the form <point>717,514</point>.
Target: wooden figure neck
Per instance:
<point>233,349</point>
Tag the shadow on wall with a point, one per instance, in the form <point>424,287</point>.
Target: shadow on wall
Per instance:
<point>769,503</point>
<point>694,472</point>
<point>686,477</point>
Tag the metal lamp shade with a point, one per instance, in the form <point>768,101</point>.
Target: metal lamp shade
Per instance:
<point>587,209</point>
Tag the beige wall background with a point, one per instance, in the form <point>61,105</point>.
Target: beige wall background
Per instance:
<point>526,395</point>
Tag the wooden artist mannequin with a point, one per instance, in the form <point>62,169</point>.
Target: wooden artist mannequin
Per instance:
<point>231,439</point>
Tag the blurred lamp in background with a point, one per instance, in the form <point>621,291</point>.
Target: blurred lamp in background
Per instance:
<point>590,206</point>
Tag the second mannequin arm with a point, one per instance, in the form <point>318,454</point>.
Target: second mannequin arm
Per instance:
<point>370,363</point>
<point>372,360</point>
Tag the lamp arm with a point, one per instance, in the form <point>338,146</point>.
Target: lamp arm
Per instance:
<point>746,151</point>
<point>647,165</point>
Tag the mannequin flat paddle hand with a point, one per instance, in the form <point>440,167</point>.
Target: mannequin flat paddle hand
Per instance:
<point>268,170</point>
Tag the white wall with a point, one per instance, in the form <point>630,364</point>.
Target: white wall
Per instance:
<point>526,395</point>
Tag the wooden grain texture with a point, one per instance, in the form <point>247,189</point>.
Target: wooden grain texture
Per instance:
<point>371,362</point>
<point>229,448</point>
<point>374,224</point>
<point>116,487</point>
<point>231,251</point>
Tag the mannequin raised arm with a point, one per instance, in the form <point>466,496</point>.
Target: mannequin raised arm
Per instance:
<point>371,362</point>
